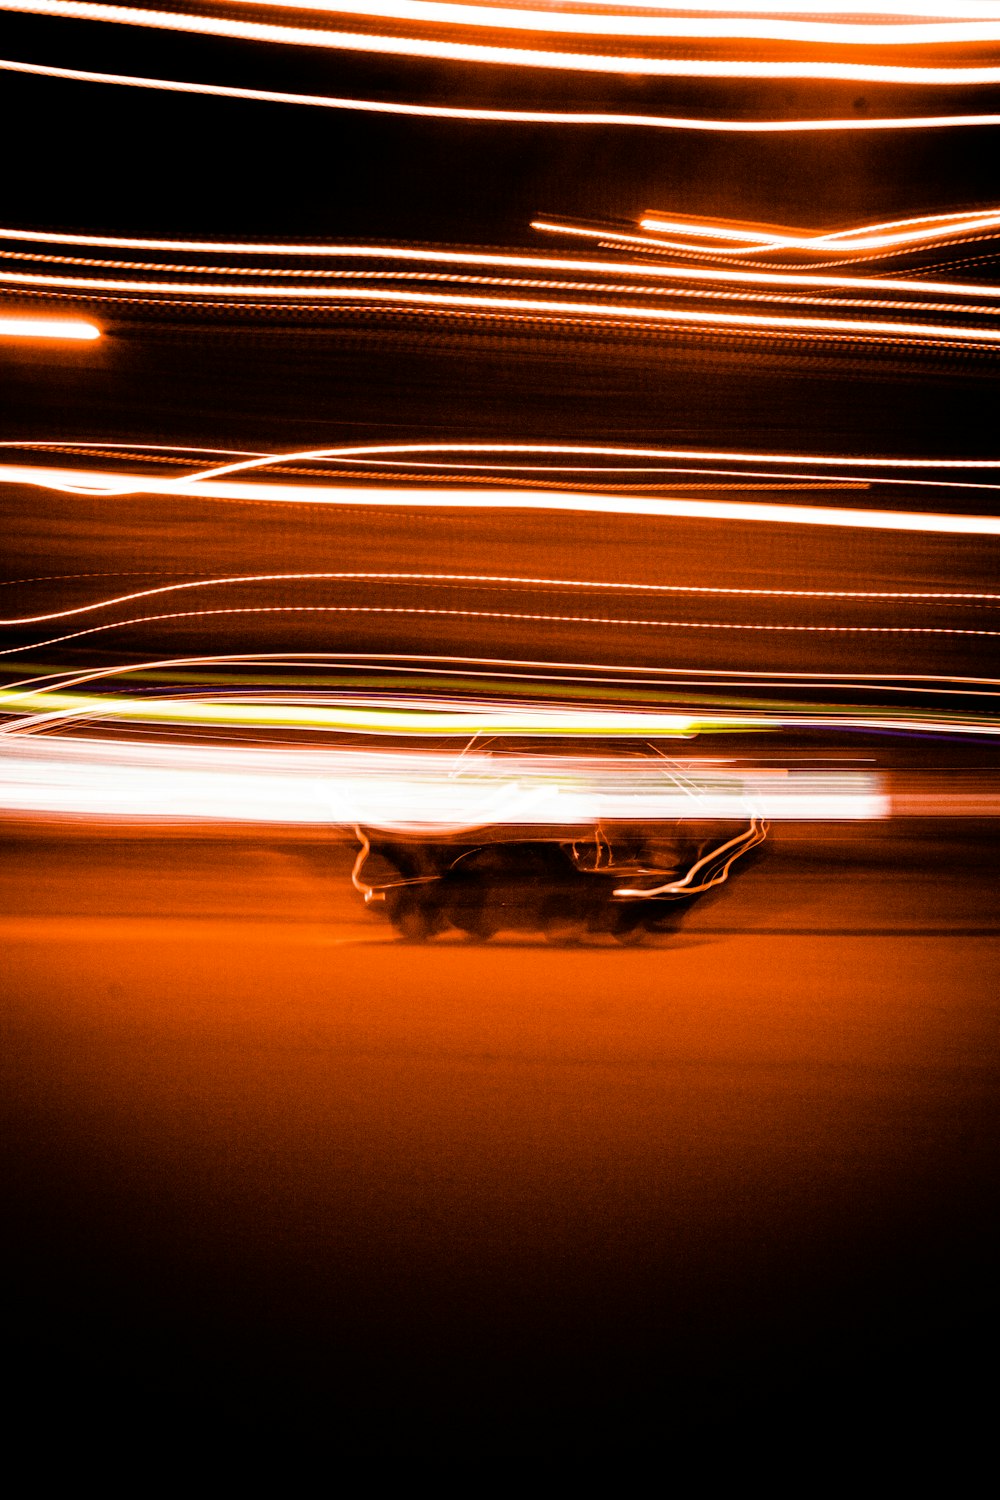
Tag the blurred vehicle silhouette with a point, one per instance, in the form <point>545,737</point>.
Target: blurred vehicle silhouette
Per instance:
<point>628,882</point>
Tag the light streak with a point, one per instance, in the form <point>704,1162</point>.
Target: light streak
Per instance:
<point>757,324</point>
<point>749,277</point>
<point>522,57</point>
<point>512,616</point>
<point>48,328</point>
<point>109,778</point>
<point>504,579</point>
<point>755,834</point>
<point>306,291</point>
<point>507,116</point>
<point>970,28</point>
<point>644,270</point>
<point>213,484</point>
<point>751,241</point>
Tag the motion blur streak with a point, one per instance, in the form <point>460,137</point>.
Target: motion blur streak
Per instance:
<point>48,328</point>
<point>115,486</point>
<point>441,257</point>
<point>505,116</point>
<point>394,46</point>
<point>501,308</point>
<point>567,583</point>
<point>383,788</point>
<point>537,617</point>
<point>620,23</point>
<point>751,239</point>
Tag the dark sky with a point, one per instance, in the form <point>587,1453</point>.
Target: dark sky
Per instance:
<point>219,166</point>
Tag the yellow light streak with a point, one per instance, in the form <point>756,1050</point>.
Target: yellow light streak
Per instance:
<point>507,116</point>
<point>48,328</point>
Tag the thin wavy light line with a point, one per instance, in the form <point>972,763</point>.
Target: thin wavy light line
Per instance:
<point>505,116</point>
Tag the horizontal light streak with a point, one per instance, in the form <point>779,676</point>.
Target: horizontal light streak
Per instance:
<point>507,116</point>
<point>398,788</point>
<point>521,57</point>
<point>533,307</point>
<point>90,482</point>
<point>313,285</point>
<point>504,579</point>
<point>752,241</point>
<point>48,328</point>
<point>535,617</point>
<point>643,270</point>
<point>748,277</point>
<point>617,22</point>
<point>511,673</point>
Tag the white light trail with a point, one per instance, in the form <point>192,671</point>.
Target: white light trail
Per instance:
<point>107,778</point>
<point>508,116</point>
<point>211,487</point>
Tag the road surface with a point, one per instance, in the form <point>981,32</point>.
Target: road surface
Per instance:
<point>273,1165</point>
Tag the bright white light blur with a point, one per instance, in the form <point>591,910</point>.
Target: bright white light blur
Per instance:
<point>94,482</point>
<point>388,788</point>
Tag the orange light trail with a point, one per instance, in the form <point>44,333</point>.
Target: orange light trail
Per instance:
<point>749,277</point>
<point>210,485</point>
<point>519,616</point>
<point>752,241</point>
<point>615,21</point>
<point>534,308</point>
<point>48,328</point>
<point>476,258</point>
<point>304,290</point>
<point>507,116</point>
<point>466,52</point>
<point>927,596</point>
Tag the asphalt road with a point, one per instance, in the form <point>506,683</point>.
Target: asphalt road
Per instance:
<point>271,1165</point>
